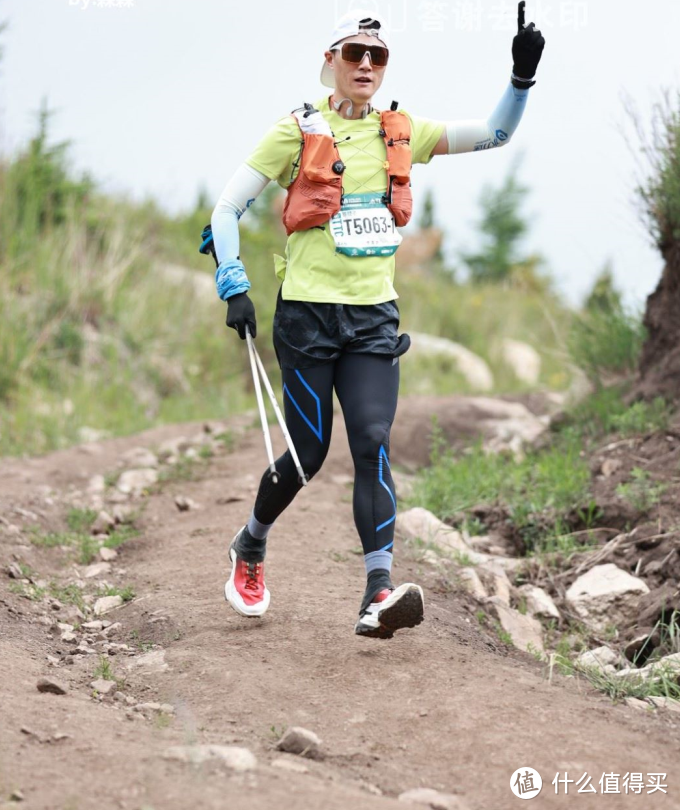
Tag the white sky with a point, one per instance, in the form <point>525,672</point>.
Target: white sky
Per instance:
<point>163,97</point>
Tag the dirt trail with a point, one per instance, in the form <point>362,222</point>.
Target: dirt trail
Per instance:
<point>443,706</point>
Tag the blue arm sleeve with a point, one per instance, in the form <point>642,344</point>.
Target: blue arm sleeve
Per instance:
<point>238,195</point>
<point>477,135</point>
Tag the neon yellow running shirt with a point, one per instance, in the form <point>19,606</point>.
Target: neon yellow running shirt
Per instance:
<point>312,270</point>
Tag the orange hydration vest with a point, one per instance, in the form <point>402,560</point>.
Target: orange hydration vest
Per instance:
<point>316,193</point>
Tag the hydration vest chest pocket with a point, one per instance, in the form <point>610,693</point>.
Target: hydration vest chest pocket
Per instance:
<point>364,226</point>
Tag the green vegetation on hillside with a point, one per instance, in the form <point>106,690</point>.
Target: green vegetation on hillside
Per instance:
<point>547,493</point>
<point>103,328</point>
<point>91,334</point>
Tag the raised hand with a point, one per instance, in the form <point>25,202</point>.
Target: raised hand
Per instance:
<point>527,48</point>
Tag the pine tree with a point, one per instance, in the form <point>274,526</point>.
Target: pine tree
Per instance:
<point>502,226</point>
<point>604,297</point>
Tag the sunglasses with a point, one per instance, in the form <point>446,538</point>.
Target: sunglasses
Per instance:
<point>355,52</point>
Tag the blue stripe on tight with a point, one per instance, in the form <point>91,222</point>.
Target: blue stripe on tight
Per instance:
<point>382,454</point>
<point>316,430</point>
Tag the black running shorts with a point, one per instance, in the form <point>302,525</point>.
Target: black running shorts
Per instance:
<point>309,334</point>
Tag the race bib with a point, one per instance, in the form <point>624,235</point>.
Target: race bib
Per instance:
<point>364,226</point>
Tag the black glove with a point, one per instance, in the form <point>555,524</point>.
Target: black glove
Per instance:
<point>527,47</point>
<point>241,313</point>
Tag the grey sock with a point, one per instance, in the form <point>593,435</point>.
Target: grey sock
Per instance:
<point>378,559</point>
<point>257,529</point>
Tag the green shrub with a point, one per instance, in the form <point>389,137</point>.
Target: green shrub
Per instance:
<point>80,520</point>
<point>659,193</point>
<point>642,417</point>
<point>605,411</point>
<point>641,492</point>
<point>607,343</point>
<point>534,490</point>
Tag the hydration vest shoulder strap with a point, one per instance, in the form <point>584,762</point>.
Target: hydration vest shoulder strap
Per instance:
<point>311,121</point>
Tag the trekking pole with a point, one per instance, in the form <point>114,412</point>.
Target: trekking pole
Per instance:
<point>208,247</point>
<point>277,410</point>
<point>273,473</point>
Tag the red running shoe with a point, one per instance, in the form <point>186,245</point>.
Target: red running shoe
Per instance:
<point>245,590</point>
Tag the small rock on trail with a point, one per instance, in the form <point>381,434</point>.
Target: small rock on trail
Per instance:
<point>234,757</point>
<point>133,482</point>
<point>602,658</point>
<point>52,685</point>
<point>103,523</point>
<point>606,594</point>
<point>665,703</point>
<point>433,799</point>
<point>104,687</point>
<point>300,741</point>
<point>97,570</point>
<point>525,631</point>
<point>185,504</point>
<point>153,661</point>
<point>138,458</point>
<point>106,604</point>
<point>539,602</point>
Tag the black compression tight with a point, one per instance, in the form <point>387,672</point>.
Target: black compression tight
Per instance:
<point>367,387</point>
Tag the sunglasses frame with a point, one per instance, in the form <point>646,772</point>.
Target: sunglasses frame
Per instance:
<point>368,50</point>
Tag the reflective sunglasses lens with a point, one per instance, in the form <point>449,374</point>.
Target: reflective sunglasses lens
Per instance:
<point>378,55</point>
<point>355,52</point>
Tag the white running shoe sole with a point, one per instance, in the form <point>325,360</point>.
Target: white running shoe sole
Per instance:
<point>404,607</point>
<point>234,597</point>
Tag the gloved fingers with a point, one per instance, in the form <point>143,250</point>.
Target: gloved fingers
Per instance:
<point>533,37</point>
<point>238,325</point>
<point>536,45</point>
<point>520,15</point>
<point>252,326</point>
<point>536,37</point>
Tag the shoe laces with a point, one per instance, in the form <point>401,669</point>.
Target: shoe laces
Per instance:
<point>253,575</point>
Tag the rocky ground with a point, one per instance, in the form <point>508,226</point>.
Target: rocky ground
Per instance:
<point>128,682</point>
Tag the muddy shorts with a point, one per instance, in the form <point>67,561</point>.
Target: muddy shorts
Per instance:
<point>309,334</point>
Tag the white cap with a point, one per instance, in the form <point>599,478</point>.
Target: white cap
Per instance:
<point>348,26</point>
